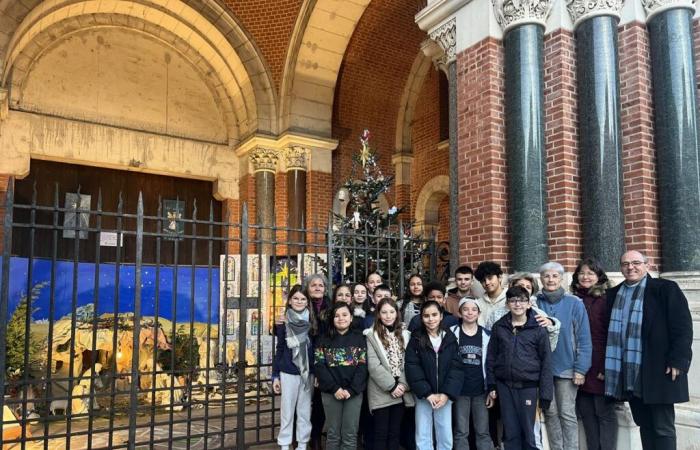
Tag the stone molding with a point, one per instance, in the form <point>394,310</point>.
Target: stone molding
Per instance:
<point>513,13</point>
<point>654,7</point>
<point>264,160</point>
<point>581,10</point>
<point>4,103</point>
<point>295,158</point>
<point>446,37</point>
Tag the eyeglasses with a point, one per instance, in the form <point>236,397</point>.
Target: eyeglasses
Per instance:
<point>518,300</point>
<point>632,263</point>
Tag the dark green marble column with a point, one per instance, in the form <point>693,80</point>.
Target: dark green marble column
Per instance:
<point>525,146</point>
<point>676,137</point>
<point>600,140</point>
<point>265,167</point>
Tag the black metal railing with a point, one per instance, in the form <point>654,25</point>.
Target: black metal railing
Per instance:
<point>103,348</point>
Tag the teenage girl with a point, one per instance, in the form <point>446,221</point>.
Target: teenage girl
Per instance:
<point>434,372</point>
<point>292,369</point>
<point>410,307</point>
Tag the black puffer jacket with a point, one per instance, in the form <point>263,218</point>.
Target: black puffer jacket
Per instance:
<point>520,356</point>
<point>428,372</point>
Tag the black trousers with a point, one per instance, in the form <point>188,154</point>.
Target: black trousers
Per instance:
<point>408,429</point>
<point>387,426</point>
<point>599,419</point>
<point>318,417</point>
<point>521,430</point>
<point>656,424</point>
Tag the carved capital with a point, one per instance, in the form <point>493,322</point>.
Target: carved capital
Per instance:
<point>654,7</point>
<point>446,37</point>
<point>580,10</point>
<point>264,160</point>
<point>295,157</point>
<point>511,13</point>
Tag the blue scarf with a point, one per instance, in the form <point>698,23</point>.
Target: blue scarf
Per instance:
<point>623,353</point>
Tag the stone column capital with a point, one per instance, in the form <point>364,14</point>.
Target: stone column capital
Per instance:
<point>512,13</point>
<point>296,158</point>
<point>446,38</point>
<point>580,10</point>
<point>264,159</point>
<point>654,7</point>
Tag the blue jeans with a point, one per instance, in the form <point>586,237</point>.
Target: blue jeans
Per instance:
<point>428,418</point>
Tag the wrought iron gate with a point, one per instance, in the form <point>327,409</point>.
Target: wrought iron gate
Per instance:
<point>134,329</point>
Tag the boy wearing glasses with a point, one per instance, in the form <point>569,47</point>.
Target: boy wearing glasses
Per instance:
<point>519,371</point>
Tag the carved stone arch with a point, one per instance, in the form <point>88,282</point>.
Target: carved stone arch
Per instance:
<point>320,38</point>
<point>428,202</point>
<point>414,84</point>
<point>209,30</point>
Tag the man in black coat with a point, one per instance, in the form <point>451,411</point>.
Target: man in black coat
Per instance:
<point>650,370</point>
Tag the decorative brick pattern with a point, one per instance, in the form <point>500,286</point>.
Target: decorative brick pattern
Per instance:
<point>561,142</point>
<point>483,215</point>
<point>638,150</point>
<point>271,25</point>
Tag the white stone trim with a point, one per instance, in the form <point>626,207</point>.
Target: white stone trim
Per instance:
<point>654,7</point>
<point>24,136</point>
<point>581,10</point>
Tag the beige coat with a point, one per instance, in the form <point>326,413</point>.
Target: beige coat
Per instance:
<point>381,381</point>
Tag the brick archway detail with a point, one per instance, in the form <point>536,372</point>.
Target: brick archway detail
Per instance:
<point>428,202</point>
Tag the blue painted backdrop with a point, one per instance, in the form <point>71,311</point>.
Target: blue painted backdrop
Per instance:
<point>206,307</point>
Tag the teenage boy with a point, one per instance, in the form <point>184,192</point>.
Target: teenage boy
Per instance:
<point>518,341</point>
<point>472,344</point>
<point>490,275</point>
<point>464,276</point>
<point>434,291</point>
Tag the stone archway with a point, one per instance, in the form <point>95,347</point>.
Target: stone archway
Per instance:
<point>221,91</point>
<point>409,98</point>
<point>321,36</point>
<point>433,193</point>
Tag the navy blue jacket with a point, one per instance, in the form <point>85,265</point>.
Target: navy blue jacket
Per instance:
<point>427,376</point>
<point>520,357</point>
<point>283,355</point>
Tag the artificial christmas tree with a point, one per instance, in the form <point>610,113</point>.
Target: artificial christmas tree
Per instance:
<point>369,239</point>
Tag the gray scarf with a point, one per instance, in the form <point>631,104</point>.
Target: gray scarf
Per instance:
<point>554,296</point>
<point>297,327</point>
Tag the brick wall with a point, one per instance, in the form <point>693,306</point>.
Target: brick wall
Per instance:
<point>271,24</point>
<point>483,227</point>
<point>638,151</point>
<point>319,201</point>
<point>371,80</point>
<point>563,193</point>
<point>428,162</point>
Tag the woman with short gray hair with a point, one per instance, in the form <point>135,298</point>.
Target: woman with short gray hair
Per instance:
<point>571,359</point>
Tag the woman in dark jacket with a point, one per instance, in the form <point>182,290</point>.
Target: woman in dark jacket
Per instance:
<point>597,412</point>
<point>434,373</point>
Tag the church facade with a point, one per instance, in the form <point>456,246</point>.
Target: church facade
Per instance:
<point>516,131</point>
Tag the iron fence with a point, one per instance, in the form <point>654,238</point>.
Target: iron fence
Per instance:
<point>122,329</point>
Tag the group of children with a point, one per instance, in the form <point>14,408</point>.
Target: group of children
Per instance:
<point>411,367</point>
